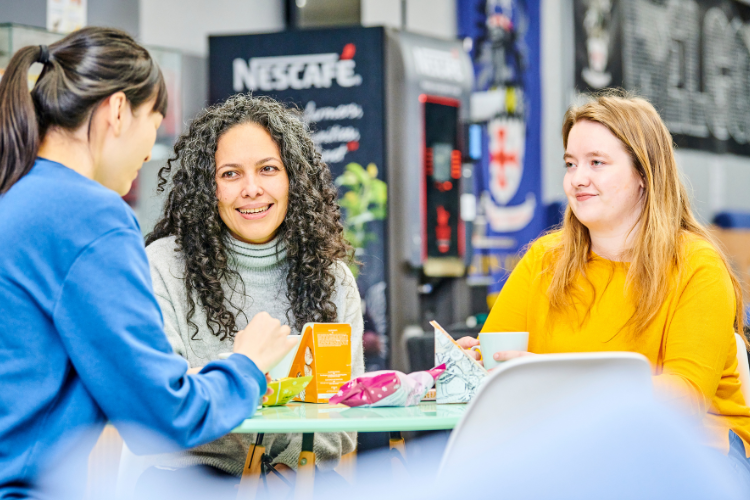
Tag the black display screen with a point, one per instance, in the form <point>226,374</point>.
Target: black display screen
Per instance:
<point>441,160</point>
<point>442,177</point>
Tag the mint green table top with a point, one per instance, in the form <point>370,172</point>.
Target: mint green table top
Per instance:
<point>311,417</point>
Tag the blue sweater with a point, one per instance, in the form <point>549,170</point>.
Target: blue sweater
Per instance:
<point>81,339</point>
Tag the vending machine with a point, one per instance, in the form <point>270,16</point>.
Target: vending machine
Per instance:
<point>428,87</point>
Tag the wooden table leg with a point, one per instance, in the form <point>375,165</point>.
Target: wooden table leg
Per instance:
<point>398,446</point>
<point>303,487</point>
<point>251,473</point>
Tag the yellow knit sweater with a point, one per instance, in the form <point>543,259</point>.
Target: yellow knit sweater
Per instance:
<point>690,343</point>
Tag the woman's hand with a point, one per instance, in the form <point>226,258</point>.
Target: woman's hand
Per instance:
<point>467,343</point>
<point>506,355</point>
<point>269,391</point>
<point>276,487</point>
<point>285,470</point>
<point>264,341</point>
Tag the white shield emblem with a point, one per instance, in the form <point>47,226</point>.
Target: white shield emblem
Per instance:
<point>507,143</point>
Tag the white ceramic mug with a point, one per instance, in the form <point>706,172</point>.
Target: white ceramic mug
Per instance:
<point>281,370</point>
<point>492,342</point>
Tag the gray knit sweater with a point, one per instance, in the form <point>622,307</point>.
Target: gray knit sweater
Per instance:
<point>263,270</point>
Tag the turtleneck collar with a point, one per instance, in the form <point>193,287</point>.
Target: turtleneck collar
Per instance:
<point>264,258</point>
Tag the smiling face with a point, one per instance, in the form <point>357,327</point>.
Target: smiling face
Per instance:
<point>603,188</point>
<point>252,185</point>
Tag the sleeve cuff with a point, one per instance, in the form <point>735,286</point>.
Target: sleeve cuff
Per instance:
<point>247,369</point>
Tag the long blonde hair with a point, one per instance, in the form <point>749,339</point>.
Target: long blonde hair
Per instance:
<point>665,221</point>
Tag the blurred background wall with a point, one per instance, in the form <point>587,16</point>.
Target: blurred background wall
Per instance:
<point>718,182</point>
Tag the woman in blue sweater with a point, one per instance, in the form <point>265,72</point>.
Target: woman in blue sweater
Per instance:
<point>81,338</point>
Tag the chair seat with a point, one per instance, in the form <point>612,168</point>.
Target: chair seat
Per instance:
<point>524,390</point>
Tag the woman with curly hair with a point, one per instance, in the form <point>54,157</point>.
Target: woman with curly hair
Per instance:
<point>251,224</point>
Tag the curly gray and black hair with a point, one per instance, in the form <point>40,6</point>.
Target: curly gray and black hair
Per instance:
<point>312,229</point>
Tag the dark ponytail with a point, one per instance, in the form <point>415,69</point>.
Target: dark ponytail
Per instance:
<point>81,71</point>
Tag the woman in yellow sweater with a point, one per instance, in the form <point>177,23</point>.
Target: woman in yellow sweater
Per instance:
<point>631,269</point>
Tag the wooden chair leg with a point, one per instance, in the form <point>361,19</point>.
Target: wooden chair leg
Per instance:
<point>398,446</point>
<point>397,442</point>
<point>251,473</point>
<point>347,467</point>
<point>303,487</point>
<point>104,463</point>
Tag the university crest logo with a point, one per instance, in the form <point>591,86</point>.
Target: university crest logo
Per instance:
<point>507,141</point>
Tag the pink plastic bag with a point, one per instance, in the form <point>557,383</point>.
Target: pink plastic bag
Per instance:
<point>387,388</point>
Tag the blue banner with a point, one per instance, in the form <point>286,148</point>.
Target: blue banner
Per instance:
<point>505,139</point>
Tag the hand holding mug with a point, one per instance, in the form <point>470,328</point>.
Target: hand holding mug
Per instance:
<point>467,343</point>
<point>501,356</point>
<point>495,347</point>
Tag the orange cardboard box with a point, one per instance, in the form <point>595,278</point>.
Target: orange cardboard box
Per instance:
<point>325,353</point>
